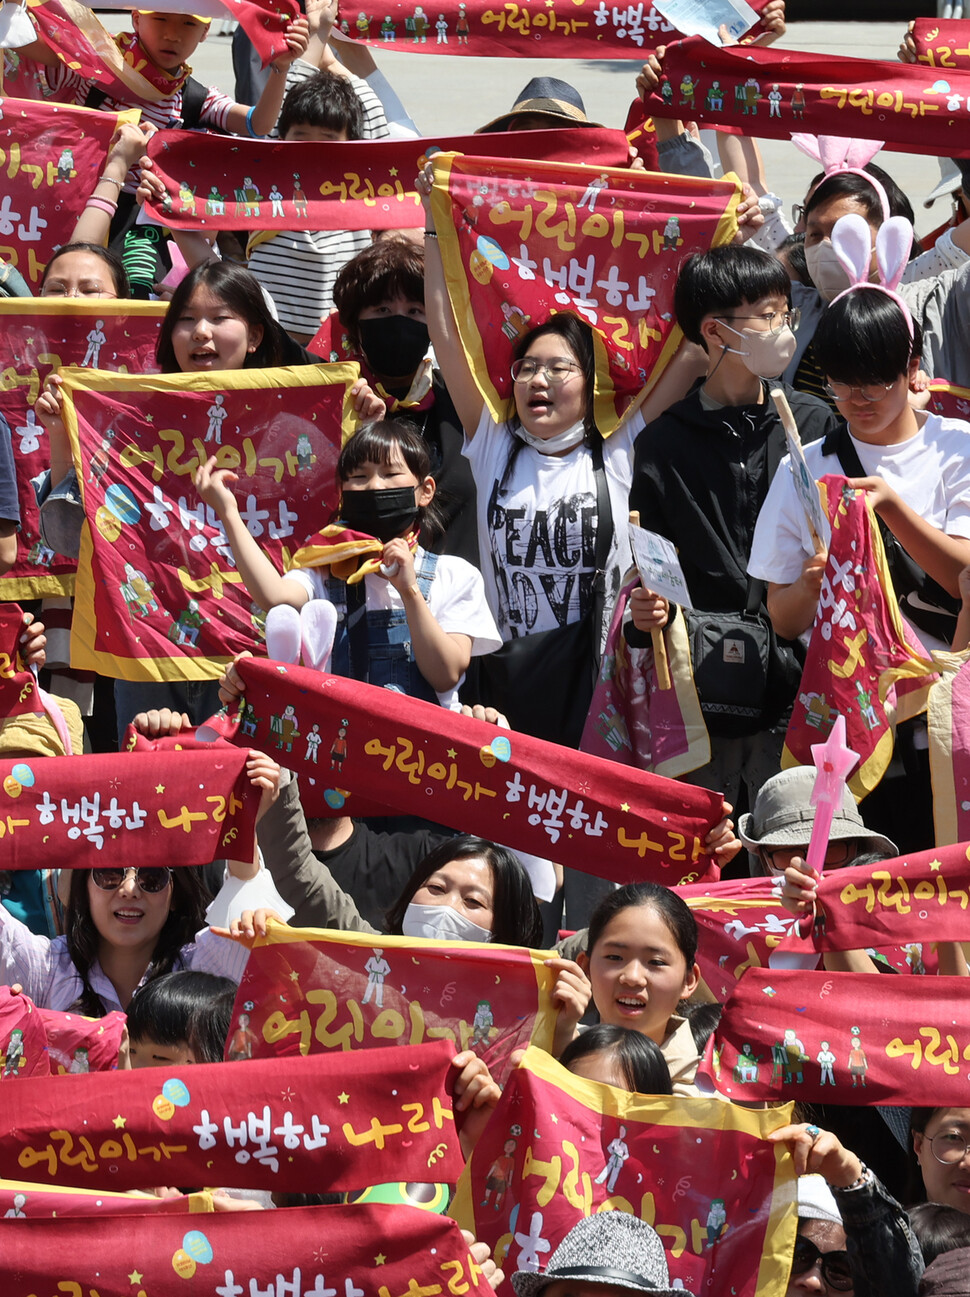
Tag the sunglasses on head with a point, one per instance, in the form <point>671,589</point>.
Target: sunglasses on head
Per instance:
<point>833,1265</point>
<point>149,880</point>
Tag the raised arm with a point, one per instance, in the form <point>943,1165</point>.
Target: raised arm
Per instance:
<point>261,118</point>
<point>127,146</point>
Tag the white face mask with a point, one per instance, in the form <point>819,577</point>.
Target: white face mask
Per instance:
<point>829,275</point>
<point>765,354</point>
<point>441,923</point>
<point>16,29</point>
<point>553,445</point>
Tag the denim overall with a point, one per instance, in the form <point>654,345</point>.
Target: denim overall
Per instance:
<point>390,661</point>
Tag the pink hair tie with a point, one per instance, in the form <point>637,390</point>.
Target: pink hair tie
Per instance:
<point>852,241</point>
<point>836,155</point>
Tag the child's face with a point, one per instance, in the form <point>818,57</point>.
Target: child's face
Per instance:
<point>602,1066</point>
<point>639,973</point>
<point>307,134</point>
<point>208,335</point>
<point>385,477</point>
<point>169,39</point>
<point>151,1053</point>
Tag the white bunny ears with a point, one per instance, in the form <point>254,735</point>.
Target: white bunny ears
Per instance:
<point>835,154</point>
<point>852,242</point>
<point>308,633</point>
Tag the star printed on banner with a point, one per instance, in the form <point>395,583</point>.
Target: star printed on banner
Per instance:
<point>343,1097</point>
<point>135,1277</point>
<point>149,418</point>
<point>392,171</point>
<point>380,1258</point>
<point>936,865</point>
<point>624,806</point>
<point>452,752</point>
<point>294,976</point>
<point>555,1119</point>
<point>159,788</point>
<point>119,1122</point>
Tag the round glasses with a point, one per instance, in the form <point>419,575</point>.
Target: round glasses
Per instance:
<point>838,852</point>
<point>833,1265</point>
<point>949,1147</point>
<point>784,319</point>
<point>869,392</point>
<point>149,880</point>
<point>556,371</point>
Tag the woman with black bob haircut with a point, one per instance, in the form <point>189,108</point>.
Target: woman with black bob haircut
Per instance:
<point>619,1057</point>
<point>181,1017</point>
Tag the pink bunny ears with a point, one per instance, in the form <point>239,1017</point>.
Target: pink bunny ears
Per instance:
<point>835,154</point>
<point>852,242</point>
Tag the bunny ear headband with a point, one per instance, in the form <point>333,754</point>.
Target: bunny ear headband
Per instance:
<point>835,154</point>
<point>852,241</point>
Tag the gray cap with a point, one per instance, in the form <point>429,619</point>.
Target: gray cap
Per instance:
<point>632,1248</point>
<point>783,816</point>
<point>816,1200</point>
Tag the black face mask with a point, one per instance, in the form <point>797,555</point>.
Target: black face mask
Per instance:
<point>384,514</point>
<point>394,345</point>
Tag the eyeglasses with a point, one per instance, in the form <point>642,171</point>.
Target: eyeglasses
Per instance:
<point>59,290</point>
<point>872,392</point>
<point>789,318</point>
<point>838,852</point>
<point>797,212</point>
<point>949,1147</point>
<point>833,1265</point>
<point>149,880</point>
<point>556,371</point>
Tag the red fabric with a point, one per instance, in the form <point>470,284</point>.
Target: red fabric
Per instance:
<point>373,1249</point>
<point>37,337</point>
<point>18,688</point>
<point>76,1044</point>
<point>44,1200</point>
<point>351,186</point>
<point>948,400</point>
<point>943,44</point>
<point>86,812</point>
<point>23,1039</point>
<point>822,94</point>
<point>890,1042</point>
<point>538,797</point>
<point>251,1127</point>
<point>316,994</point>
<point>265,23</point>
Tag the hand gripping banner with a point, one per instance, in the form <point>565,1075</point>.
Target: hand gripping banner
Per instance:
<point>307,992</point>
<point>521,241</point>
<point>559,1148</point>
<point>357,185</point>
<point>771,93</point>
<point>38,336</point>
<point>336,1121</point>
<point>822,1038</point>
<point>158,596</point>
<point>151,809</point>
<point>24,1200</point>
<point>350,1251</point>
<point>538,797</point>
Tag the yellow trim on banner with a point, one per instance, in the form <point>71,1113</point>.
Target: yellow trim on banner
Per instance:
<point>939,724</point>
<point>199,1201</point>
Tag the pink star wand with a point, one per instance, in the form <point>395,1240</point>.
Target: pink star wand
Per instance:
<point>833,760</point>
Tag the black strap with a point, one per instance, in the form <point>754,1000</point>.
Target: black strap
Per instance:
<point>194,95</point>
<point>357,639</point>
<point>604,538</point>
<point>756,595</point>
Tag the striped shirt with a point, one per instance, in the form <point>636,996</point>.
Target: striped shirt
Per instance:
<point>375,122</point>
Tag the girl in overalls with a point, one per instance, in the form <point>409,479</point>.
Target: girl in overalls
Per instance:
<point>407,620</point>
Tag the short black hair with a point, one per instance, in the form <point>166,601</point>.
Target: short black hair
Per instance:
<point>791,253</point>
<point>374,442</point>
<point>640,1058</point>
<point>863,337</point>
<point>938,1229</point>
<point>721,280</point>
<point>325,100</point>
<point>847,184</point>
<point>188,1006</point>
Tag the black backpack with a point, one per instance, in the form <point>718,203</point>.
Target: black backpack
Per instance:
<point>194,95</point>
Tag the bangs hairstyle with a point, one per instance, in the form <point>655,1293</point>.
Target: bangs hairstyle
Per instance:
<point>846,184</point>
<point>515,914</point>
<point>186,1006</point>
<point>388,268</point>
<point>186,917</point>
<point>863,338</point>
<point>373,444</point>
<point>719,281</point>
<point>325,101</point>
<point>111,259</point>
<point>674,912</point>
<point>639,1058</point>
<point>241,293</point>
<point>578,337</point>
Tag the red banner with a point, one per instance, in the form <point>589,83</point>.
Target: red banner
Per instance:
<point>359,185</point>
<point>152,809</point>
<point>341,1122</point>
<point>947,399</point>
<point>24,1200</point>
<point>38,337</point>
<point>265,23</point>
<point>18,688</point>
<point>76,1044</point>
<point>523,240</point>
<point>864,662</point>
<point>559,1148</point>
<point>819,1038</point>
<point>74,33</point>
<point>307,992</point>
<point>375,1250</point>
<point>51,156</point>
<point>538,797</point>
<point>770,93</point>
<point>943,44</point>
<point>158,595</point>
<point>23,1038</point>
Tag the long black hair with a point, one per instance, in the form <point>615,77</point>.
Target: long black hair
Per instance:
<point>186,916</point>
<point>243,296</point>
<point>516,920</point>
<point>671,908</point>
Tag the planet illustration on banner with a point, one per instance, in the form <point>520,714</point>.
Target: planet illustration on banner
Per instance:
<point>120,501</point>
<point>480,266</point>
<point>197,1246</point>
<point>176,1092</point>
<point>334,798</point>
<point>107,524</point>
<point>492,253</point>
<point>23,774</point>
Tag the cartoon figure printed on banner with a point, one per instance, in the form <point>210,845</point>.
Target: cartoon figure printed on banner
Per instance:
<point>482,1023</point>
<point>215,203</point>
<point>14,1059</point>
<point>666,91</point>
<point>217,414</point>
<point>136,590</point>
<point>500,1172</point>
<point>17,1210</point>
<point>671,233</point>
<point>285,728</point>
<point>242,1041</point>
<point>101,457</point>
<point>592,191</point>
<point>914,958</point>
<point>185,631</point>
<point>618,1151</point>
<point>95,340</point>
<point>858,1066</point>
<point>251,197</point>
<point>247,720</point>
<point>441,27</point>
<point>40,555</point>
<point>276,201</point>
<point>65,165</point>
<point>418,26</point>
<point>388,30</point>
<point>818,713</point>
<point>313,741</point>
<point>81,1062</point>
<point>746,1066</point>
<point>688,89</point>
<point>715,98</point>
<point>798,101</point>
<point>795,1056</point>
<point>516,321</point>
<point>716,1221</point>
<point>363,25</point>
<point>826,1061</point>
<point>338,751</point>
<point>774,102</point>
<point>30,434</point>
<point>376,968</point>
<point>752,93</point>
<point>304,451</point>
<point>461,26</point>
<point>187,198</point>
<point>867,712</point>
<point>299,196</point>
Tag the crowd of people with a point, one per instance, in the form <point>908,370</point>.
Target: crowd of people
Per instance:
<point>496,553</point>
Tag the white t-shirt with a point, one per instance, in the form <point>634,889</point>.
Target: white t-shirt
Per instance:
<point>537,538</point>
<point>931,473</point>
<point>456,600</point>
